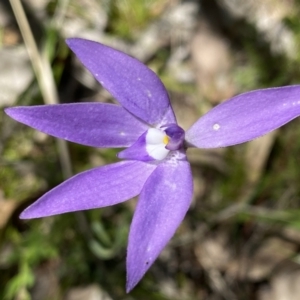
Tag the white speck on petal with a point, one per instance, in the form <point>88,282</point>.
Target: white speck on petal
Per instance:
<point>172,185</point>
<point>149,94</point>
<point>139,79</point>
<point>122,133</point>
<point>216,127</point>
<point>101,82</point>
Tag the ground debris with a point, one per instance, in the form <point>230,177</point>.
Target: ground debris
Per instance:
<point>91,292</point>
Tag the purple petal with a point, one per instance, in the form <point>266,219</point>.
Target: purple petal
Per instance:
<point>162,205</point>
<point>95,188</point>
<point>91,124</point>
<point>134,85</point>
<point>245,117</point>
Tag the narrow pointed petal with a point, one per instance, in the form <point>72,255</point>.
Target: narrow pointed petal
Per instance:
<point>134,85</point>
<point>162,206</point>
<point>91,124</point>
<point>245,117</point>
<point>95,188</point>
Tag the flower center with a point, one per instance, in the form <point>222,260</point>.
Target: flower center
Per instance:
<point>175,136</point>
<point>159,142</point>
<point>155,144</point>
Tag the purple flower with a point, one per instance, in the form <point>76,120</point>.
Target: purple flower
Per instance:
<point>154,164</point>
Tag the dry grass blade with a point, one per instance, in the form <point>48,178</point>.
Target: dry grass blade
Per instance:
<point>42,69</point>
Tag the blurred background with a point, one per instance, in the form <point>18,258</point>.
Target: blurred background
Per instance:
<point>241,236</point>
